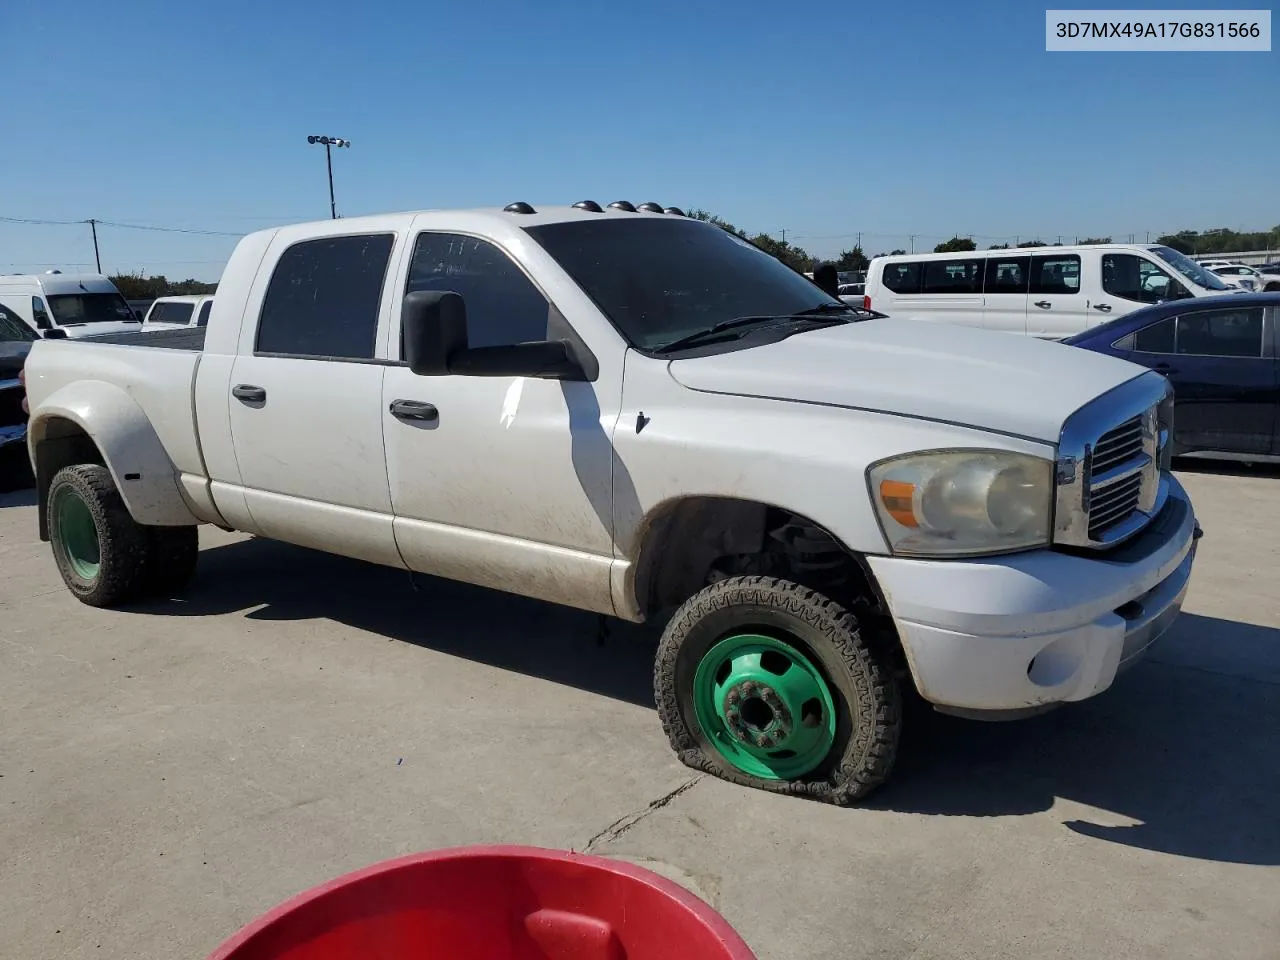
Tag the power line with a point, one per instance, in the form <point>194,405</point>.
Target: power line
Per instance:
<point>122,226</point>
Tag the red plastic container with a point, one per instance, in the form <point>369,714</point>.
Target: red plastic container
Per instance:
<point>491,903</point>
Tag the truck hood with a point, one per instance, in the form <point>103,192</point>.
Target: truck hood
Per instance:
<point>77,330</point>
<point>991,381</point>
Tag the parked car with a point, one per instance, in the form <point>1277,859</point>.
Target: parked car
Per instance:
<point>852,293</point>
<point>171,313</point>
<point>1221,358</point>
<point>15,343</point>
<point>1048,292</point>
<point>78,304</point>
<point>1243,276</point>
<point>635,412</point>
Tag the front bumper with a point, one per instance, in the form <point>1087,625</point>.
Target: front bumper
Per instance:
<point>1017,633</point>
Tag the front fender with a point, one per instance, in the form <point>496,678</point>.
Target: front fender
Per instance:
<point>143,472</point>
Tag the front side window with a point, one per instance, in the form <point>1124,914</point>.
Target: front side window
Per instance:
<point>1055,274</point>
<point>952,276</point>
<point>90,308</point>
<point>324,297</point>
<point>1131,277</point>
<point>503,306</point>
<point>658,279</point>
<point>40,314</point>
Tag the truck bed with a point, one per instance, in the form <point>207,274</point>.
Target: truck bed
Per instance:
<point>184,338</point>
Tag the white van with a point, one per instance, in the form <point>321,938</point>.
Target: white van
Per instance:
<point>1049,292</point>
<point>78,304</point>
<point>172,313</point>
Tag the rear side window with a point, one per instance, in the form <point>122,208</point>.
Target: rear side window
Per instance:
<point>1055,274</point>
<point>952,276</point>
<point>1221,333</point>
<point>1157,337</point>
<point>1008,274</point>
<point>902,277</point>
<point>202,319</point>
<point>324,296</point>
<point>178,312</point>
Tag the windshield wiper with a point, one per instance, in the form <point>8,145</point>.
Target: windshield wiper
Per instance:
<point>824,308</point>
<point>819,313</point>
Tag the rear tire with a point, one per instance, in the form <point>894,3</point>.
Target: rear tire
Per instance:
<point>99,549</point>
<point>769,684</point>
<point>171,559</point>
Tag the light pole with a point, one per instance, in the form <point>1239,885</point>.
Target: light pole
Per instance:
<point>328,162</point>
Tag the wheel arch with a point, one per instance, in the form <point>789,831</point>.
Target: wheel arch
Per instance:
<point>680,541</point>
<point>98,422</point>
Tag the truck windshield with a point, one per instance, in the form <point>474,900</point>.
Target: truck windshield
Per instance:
<point>1190,269</point>
<point>658,280</point>
<point>89,308</point>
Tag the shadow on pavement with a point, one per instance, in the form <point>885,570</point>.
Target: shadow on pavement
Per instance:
<point>513,633</point>
<point>1181,756</point>
<point>1187,751</point>
<point>1225,468</point>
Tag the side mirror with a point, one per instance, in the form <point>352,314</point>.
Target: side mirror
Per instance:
<point>55,333</point>
<point>433,327</point>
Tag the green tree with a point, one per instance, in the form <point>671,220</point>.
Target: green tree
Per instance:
<point>955,245</point>
<point>1033,243</point>
<point>998,246</point>
<point>1096,240</point>
<point>896,253</point>
<point>853,259</point>
<point>135,286</point>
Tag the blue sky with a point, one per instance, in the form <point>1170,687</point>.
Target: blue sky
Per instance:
<point>825,119</point>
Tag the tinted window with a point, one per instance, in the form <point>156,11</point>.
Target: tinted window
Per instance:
<point>1008,274</point>
<point>1136,278</point>
<point>503,305</point>
<point>661,278</point>
<point>89,308</point>
<point>1155,338</point>
<point>1221,333</point>
<point>40,314</point>
<point>323,298</point>
<point>178,312</point>
<point>902,277</point>
<point>1060,274</point>
<point>203,319</point>
<point>952,276</point>
<point>12,328</point>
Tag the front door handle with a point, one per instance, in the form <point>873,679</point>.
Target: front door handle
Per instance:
<point>414,410</point>
<point>1162,368</point>
<point>1104,307</point>
<point>248,393</point>
<point>1043,304</point>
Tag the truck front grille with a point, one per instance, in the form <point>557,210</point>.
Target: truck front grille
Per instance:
<point>1109,478</point>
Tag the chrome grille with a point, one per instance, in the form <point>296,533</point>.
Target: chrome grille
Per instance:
<point>1109,480</point>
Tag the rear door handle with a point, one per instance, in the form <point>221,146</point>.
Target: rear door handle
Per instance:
<point>248,393</point>
<point>414,410</point>
<point>1043,304</point>
<point>1104,307</point>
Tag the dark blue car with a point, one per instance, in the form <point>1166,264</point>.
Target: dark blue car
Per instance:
<point>1220,354</point>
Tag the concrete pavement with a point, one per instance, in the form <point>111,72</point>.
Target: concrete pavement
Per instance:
<point>168,773</point>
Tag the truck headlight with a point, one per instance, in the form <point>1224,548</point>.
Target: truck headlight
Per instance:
<point>963,502</point>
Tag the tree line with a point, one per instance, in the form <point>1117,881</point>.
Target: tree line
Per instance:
<point>137,287</point>
<point>1192,242</point>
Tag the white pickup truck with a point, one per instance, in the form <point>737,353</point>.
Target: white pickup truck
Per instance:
<point>632,412</point>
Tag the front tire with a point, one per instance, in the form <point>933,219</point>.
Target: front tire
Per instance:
<point>771,685</point>
<point>100,550</point>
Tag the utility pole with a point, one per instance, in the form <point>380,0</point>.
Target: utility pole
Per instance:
<point>913,243</point>
<point>328,162</point>
<point>93,226</point>
<point>784,235</point>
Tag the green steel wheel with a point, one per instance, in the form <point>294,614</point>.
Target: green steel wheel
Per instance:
<point>100,550</point>
<point>764,706</point>
<point>769,684</point>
